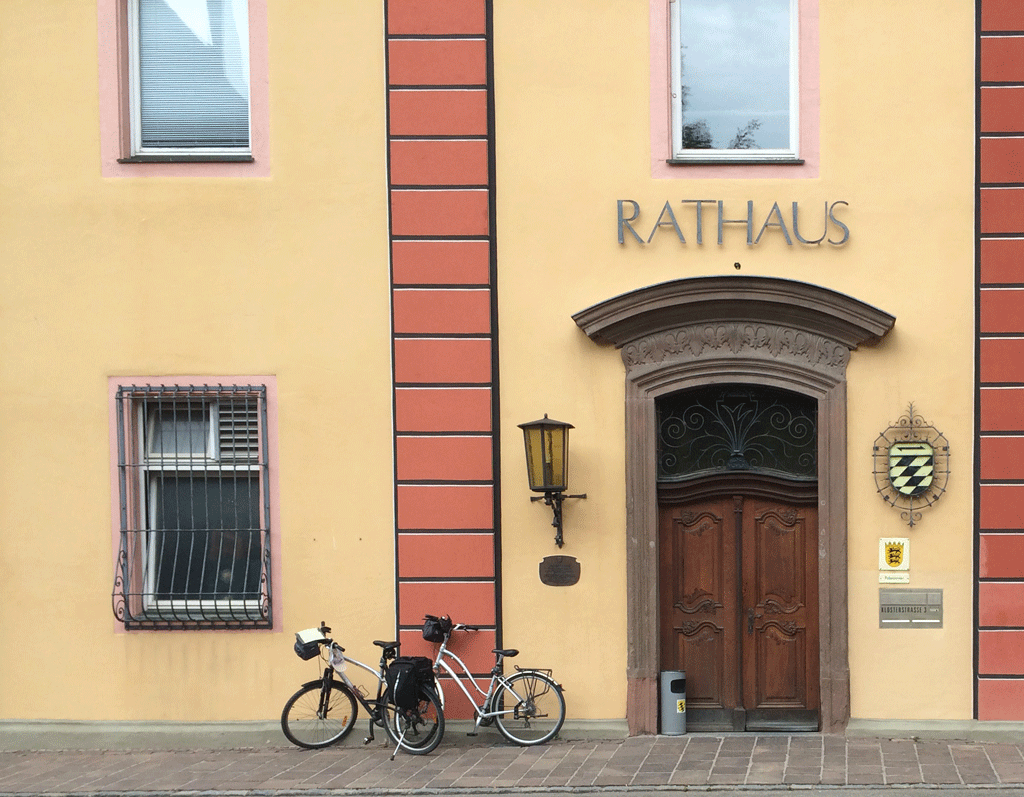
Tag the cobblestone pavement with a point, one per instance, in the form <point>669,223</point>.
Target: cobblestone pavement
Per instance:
<point>641,763</point>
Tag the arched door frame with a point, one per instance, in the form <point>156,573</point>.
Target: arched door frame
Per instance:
<point>754,330</point>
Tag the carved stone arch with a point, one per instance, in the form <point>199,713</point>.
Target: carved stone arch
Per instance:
<point>755,330</point>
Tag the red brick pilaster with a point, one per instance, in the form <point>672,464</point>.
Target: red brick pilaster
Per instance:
<point>1000,492</point>
<point>441,192</point>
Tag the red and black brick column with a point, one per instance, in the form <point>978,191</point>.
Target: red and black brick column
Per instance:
<point>1000,347</point>
<point>441,191</point>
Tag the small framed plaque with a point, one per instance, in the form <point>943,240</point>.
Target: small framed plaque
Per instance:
<point>559,571</point>
<point>909,608</point>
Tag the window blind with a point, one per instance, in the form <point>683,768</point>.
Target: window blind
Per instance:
<point>193,58</point>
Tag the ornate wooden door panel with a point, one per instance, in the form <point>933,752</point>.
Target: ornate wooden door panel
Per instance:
<point>739,600</point>
<point>699,608</point>
<point>780,591</point>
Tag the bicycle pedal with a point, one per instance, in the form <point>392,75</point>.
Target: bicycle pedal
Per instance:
<point>367,739</point>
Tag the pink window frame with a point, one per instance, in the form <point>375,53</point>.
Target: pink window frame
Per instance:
<point>273,487</point>
<point>661,117</point>
<point>112,19</point>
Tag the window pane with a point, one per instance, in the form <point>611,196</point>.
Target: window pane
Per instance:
<point>735,74</point>
<point>208,542</point>
<point>180,430</point>
<point>194,73</point>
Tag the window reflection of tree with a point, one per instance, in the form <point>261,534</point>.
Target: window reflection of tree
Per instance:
<point>697,135</point>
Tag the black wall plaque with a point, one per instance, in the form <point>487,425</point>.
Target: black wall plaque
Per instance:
<point>559,571</point>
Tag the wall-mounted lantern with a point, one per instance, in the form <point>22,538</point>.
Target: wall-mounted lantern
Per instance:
<point>547,465</point>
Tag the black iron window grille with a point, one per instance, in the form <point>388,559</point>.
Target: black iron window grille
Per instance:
<point>737,428</point>
<point>195,513</point>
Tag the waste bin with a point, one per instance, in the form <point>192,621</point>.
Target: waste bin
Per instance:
<point>673,702</point>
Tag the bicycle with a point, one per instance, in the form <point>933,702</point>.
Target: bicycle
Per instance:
<point>324,711</point>
<point>527,707</point>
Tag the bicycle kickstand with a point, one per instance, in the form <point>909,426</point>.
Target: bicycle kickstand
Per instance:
<point>401,738</point>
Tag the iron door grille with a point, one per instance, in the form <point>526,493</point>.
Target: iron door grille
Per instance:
<point>719,428</point>
<point>195,514</point>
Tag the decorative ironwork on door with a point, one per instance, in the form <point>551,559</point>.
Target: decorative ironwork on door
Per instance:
<point>723,428</point>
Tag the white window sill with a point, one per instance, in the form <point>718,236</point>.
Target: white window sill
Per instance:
<point>765,161</point>
<point>188,158</point>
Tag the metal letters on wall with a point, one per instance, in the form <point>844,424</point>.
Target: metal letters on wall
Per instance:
<point>911,465</point>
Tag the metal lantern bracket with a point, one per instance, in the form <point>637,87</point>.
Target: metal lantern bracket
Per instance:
<point>554,500</point>
<point>547,465</point>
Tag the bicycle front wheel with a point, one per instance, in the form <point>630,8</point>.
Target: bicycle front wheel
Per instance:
<point>317,716</point>
<point>417,730</point>
<point>530,708</point>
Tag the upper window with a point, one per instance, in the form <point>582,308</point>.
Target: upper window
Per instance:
<point>189,77</point>
<point>194,503</point>
<point>735,91</point>
<point>184,88</point>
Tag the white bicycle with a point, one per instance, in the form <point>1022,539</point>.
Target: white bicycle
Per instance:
<point>527,707</point>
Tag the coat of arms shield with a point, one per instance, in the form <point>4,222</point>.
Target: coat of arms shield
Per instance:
<point>894,554</point>
<point>911,467</point>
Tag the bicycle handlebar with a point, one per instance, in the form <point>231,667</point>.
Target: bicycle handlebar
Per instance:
<point>447,626</point>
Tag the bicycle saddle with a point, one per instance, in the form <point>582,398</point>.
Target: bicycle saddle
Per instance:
<point>386,645</point>
<point>506,653</point>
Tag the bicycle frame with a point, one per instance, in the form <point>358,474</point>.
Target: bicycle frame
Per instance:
<point>343,674</point>
<point>483,708</point>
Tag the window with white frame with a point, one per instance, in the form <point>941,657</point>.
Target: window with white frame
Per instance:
<point>194,502</point>
<point>735,87</point>
<point>189,78</point>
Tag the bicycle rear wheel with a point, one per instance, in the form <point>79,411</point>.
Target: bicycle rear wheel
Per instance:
<point>314,717</point>
<point>417,730</point>
<point>531,708</point>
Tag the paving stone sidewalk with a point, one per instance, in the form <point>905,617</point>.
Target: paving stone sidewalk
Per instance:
<point>642,763</point>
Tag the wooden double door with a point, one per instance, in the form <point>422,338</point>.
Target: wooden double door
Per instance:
<point>739,603</point>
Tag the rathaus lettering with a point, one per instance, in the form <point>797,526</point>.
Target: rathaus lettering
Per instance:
<point>696,215</point>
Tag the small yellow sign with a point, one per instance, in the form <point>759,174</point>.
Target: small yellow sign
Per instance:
<point>681,706</point>
<point>894,554</point>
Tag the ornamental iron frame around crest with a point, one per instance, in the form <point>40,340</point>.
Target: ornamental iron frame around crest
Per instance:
<point>908,430</point>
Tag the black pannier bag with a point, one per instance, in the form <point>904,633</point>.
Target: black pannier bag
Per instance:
<point>405,676</point>
<point>435,628</point>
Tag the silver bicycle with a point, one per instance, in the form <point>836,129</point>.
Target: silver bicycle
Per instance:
<point>527,706</point>
<point>323,712</point>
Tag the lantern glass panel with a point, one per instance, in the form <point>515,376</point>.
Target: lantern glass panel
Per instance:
<point>546,459</point>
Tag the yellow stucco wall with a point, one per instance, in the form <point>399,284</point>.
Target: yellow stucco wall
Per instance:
<point>580,142</point>
<point>284,276</point>
<point>287,276</point>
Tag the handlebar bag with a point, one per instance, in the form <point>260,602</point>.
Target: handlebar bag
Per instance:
<point>436,628</point>
<point>404,677</point>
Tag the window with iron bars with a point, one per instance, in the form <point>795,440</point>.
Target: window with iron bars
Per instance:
<point>195,515</point>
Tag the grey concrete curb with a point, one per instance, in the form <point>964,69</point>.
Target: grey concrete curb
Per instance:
<point>967,730</point>
<point>51,735</point>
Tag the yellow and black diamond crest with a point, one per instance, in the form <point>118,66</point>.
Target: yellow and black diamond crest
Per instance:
<point>911,467</point>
